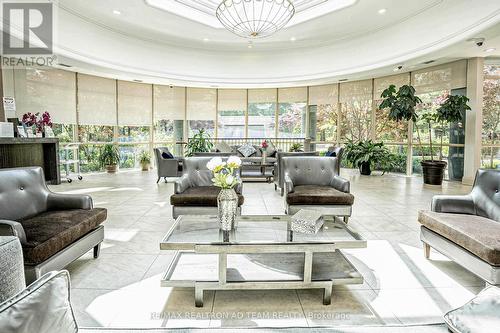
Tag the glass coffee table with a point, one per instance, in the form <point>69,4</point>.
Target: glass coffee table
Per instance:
<point>260,253</point>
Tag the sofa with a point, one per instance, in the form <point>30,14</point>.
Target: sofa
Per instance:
<point>194,192</point>
<point>167,166</point>
<point>54,229</point>
<point>466,228</point>
<point>312,182</point>
<point>278,167</point>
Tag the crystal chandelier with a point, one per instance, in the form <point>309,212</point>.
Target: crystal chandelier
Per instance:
<point>254,18</point>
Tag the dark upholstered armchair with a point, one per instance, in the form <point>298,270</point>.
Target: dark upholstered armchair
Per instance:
<point>194,192</point>
<point>312,182</point>
<point>54,229</point>
<point>167,167</point>
<point>279,175</point>
<point>466,228</point>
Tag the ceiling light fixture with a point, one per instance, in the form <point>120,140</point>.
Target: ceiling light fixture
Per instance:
<point>382,11</point>
<point>254,18</point>
<point>206,40</point>
<point>293,39</point>
<point>491,49</point>
<point>117,12</point>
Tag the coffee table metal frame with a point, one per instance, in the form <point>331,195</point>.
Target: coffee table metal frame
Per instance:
<point>224,248</point>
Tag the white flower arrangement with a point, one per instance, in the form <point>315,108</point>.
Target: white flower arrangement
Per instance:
<point>225,172</point>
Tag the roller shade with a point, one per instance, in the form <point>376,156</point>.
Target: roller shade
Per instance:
<point>356,90</point>
<point>382,83</point>
<point>292,95</point>
<point>262,95</point>
<point>169,103</point>
<point>51,90</point>
<point>201,103</point>
<point>323,95</point>
<point>134,103</point>
<point>96,100</point>
<point>232,99</point>
<point>443,77</point>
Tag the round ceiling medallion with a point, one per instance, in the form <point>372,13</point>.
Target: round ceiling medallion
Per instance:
<point>254,18</point>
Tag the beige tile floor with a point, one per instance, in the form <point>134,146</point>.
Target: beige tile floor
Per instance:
<point>121,287</point>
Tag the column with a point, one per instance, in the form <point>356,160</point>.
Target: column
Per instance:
<point>474,119</point>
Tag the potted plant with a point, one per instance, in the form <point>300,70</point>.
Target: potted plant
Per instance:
<point>451,110</point>
<point>296,148</point>
<point>200,142</point>
<point>145,160</point>
<point>367,154</point>
<point>109,157</point>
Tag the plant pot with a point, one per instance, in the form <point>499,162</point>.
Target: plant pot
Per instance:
<point>227,205</point>
<point>111,168</point>
<point>145,167</point>
<point>433,172</point>
<point>365,169</point>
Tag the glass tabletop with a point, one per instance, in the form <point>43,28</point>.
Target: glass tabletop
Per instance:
<point>254,229</point>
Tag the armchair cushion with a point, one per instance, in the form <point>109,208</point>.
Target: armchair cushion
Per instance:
<point>318,195</point>
<point>476,234</point>
<point>199,196</point>
<point>51,231</point>
<point>167,155</point>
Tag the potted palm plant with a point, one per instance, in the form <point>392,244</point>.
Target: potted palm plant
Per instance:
<point>367,154</point>
<point>109,158</point>
<point>145,160</point>
<point>199,143</point>
<point>450,111</point>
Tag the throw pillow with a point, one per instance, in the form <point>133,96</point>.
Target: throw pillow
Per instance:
<point>246,150</point>
<point>271,149</point>
<point>223,147</point>
<point>258,151</point>
<point>331,154</point>
<point>167,155</point>
<point>43,307</point>
<point>480,314</point>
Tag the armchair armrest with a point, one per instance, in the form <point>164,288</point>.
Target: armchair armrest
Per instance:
<point>57,201</point>
<point>341,184</point>
<point>12,228</point>
<point>458,204</point>
<point>181,184</point>
<point>288,184</point>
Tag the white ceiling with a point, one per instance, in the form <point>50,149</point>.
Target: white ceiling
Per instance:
<point>160,46</point>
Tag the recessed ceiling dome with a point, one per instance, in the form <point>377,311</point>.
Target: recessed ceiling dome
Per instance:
<point>181,42</point>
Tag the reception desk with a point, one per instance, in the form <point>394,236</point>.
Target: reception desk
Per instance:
<point>23,152</point>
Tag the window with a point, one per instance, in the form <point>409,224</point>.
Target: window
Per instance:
<point>232,104</point>
<point>356,110</point>
<point>95,133</point>
<point>169,110</point>
<point>490,157</point>
<point>323,113</point>
<point>133,133</point>
<point>262,113</point>
<point>201,106</point>
<point>129,155</point>
<point>292,112</point>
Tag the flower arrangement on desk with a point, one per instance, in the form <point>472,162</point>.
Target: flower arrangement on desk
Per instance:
<point>225,172</point>
<point>37,121</point>
<point>264,146</point>
<point>226,178</point>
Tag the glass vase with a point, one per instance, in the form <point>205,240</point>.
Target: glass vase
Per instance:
<point>227,205</point>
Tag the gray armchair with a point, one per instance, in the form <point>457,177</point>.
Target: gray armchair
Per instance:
<point>466,228</point>
<point>312,182</point>
<point>54,229</point>
<point>167,167</point>
<point>279,174</point>
<point>194,192</point>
